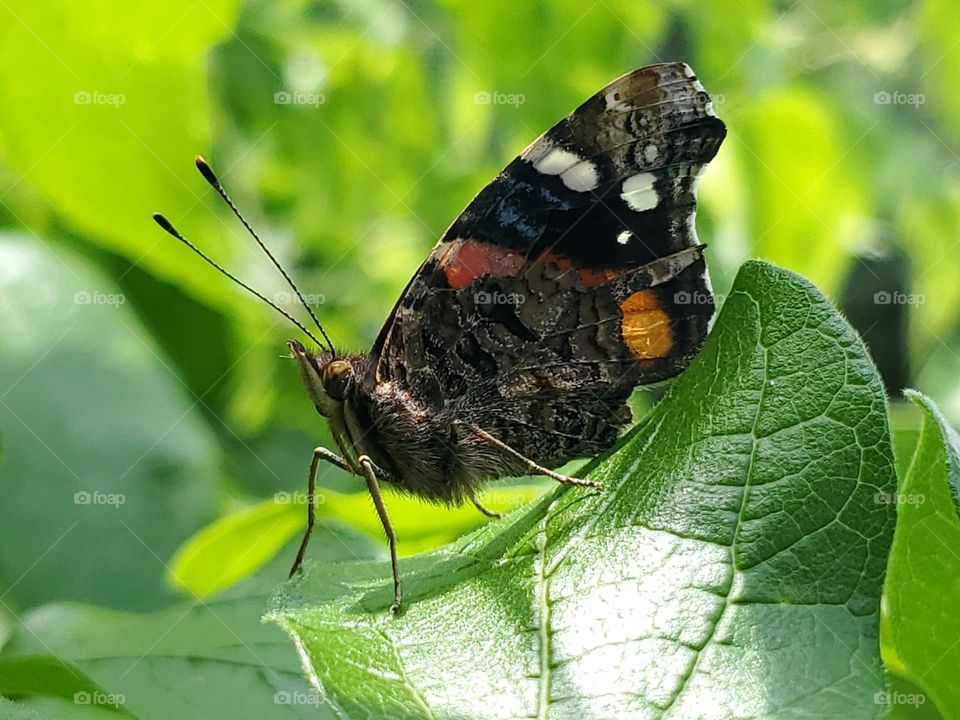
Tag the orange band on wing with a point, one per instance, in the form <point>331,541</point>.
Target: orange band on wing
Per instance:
<point>467,260</point>
<point>589,277</point>
<point>646,328</point>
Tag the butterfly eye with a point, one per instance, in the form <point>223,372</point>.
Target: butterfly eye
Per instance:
<point>336,375</point>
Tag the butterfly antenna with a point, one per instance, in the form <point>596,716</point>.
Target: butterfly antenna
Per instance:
<point>168,226</point>
<point>211,178</point>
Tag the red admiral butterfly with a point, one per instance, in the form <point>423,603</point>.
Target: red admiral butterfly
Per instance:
<point>564,285</point>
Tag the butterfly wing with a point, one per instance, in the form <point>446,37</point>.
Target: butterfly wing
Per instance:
<point>571,278</point>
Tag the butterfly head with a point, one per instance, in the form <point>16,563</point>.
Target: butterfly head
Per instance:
<point>326,376</point>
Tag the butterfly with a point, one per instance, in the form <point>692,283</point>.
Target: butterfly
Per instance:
<point>575,276</point>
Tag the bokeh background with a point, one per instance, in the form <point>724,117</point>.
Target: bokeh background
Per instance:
<point>143,398</point>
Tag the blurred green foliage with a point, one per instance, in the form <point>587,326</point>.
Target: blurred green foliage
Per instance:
<point>352,133</point>
<point>923,573</point>
<point>239,544</point>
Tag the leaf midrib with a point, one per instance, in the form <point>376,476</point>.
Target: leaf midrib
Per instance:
<point>734,570</point>
<point>544,633</point>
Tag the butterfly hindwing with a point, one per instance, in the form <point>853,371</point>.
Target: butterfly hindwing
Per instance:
<point>571,278</point>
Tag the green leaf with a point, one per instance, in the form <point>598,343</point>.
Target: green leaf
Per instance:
<point>905,700</point>
<point>212,660</point>
<point>107,463</point>
<point>49,708</point>
<point>920,621</point>
<point>905,426</point>
<point>233,547</point>
<point>15,711</point>
<point>731,567</point>
<point>104,118</point>
<point>424,526</point>
<point>52,677</point>
<point>239,544</point>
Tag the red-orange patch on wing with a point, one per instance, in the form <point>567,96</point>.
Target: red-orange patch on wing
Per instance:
<point>589,277</point>
<point>472,259</point>
<point>467,260</point>
<point>646,329</point>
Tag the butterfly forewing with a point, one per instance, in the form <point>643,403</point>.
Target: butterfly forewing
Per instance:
<point>571,278</point>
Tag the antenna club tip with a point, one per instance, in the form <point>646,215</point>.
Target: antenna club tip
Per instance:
<point>206,170</point>
<point>164,223</point>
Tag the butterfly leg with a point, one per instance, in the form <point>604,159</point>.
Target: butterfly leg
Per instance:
<point>530,464</point>
<point>485,510</point>
<point>318,455</point>
<point>374,487</point>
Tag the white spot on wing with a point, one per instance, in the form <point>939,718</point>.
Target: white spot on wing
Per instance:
<point>650,153</point>
<point>638,192</point>
<point>582,177</point>
<point>555,160</point>
<point>624,237</point>
<point>577,174</point>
